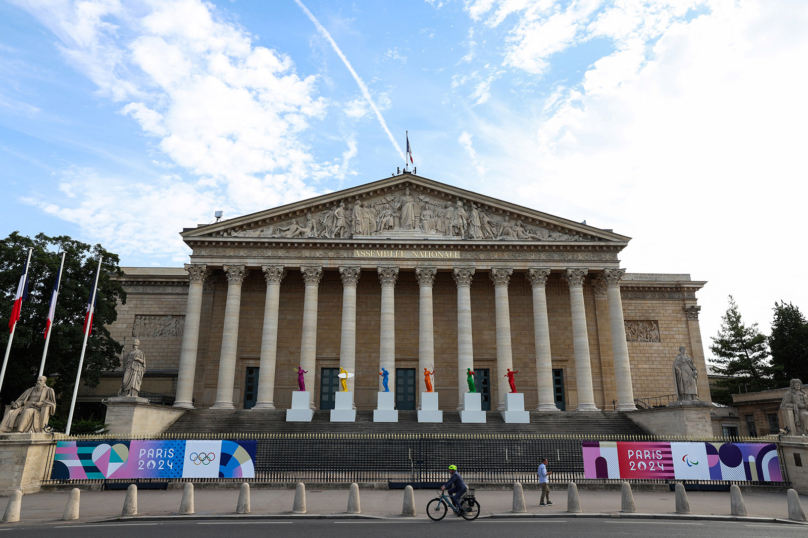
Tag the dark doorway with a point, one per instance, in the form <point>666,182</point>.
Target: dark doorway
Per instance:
<point>329,385</point>
<point>558,388</point>
<point>251,387</point>
<point>405,389</point>
<point>482,381</point>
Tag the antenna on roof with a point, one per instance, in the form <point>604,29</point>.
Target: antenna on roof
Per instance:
<point>218,215</point>
<point>584,222</point>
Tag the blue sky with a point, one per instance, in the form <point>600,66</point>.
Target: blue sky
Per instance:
<point>679,123</point>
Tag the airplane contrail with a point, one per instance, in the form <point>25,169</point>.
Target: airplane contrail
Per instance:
<point>358,80</point>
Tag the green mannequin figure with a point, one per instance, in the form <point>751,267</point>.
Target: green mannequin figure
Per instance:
<point>470,379</point>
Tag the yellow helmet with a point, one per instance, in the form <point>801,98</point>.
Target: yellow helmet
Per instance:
<point>453,467</point>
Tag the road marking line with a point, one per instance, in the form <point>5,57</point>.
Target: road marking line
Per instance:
<point>776,526</point>
<point>242,522</point>
<point>122,524</point>
<point>369,522</point>
<point>645,521</point>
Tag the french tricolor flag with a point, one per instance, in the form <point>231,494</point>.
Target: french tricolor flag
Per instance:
<point>52,310</point>
<point>409,150</point>
<point>88,316</point>
<point>22,294</point>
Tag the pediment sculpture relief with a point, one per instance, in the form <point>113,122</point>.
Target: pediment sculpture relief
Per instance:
<point>405,215</point>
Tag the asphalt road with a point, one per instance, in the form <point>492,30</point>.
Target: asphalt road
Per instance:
<point>482,528</point>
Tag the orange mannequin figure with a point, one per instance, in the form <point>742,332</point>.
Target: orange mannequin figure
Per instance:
<point>428,379</point>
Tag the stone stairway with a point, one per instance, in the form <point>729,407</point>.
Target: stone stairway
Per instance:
<point>274,421</point>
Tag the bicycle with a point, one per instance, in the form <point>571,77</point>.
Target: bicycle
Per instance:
<point>436,508</point>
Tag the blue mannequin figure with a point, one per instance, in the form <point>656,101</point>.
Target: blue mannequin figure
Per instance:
<point>385,379</point>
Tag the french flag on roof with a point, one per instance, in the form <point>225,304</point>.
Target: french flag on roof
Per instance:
<point>88,316</point>
<point>22,294</point>
<point>409,150</point>
<point>52,310</point>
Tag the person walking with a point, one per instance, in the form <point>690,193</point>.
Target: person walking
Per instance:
<point>543,485</point>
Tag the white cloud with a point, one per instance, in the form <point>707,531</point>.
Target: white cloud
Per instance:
<point>393,54</point>
<point>465,142</point>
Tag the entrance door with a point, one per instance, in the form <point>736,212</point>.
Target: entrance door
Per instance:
<point>482,381</point>
<point>251,387</point>
<point>329,385</point>
<point>558,388</point>
<point>405,389</point>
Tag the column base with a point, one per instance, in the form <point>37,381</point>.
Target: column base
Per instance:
<point>183,405</point>
<point>264,405</point>
<point>548,408</point>
<point>586,407</point>
<point>626,407</point>
<point>223,405</point>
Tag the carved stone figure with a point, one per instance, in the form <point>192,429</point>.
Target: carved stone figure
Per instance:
<point>31,411</point>
<point>685,376</point>
<point>340,224</point>
<point>358,219</point>
<point>520,231</point>
<point>133,371</point>
<point>428,222</point>
<point>460,221</point>
<point>795,407</point>
<point>487,226</point>
<point>475,224</point>
<point>407,220</point>
<point>506,231</point>
<point>386,218</point>
<point>295,230</point>
<point>369,218</point>
<point>447,216</point>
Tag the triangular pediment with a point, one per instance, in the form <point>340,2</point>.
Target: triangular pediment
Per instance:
<point>405,207</point>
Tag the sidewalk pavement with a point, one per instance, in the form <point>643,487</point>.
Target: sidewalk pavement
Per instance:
<point>42,508</point>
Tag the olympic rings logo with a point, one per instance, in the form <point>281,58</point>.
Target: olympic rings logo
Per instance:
<point>202,458</point>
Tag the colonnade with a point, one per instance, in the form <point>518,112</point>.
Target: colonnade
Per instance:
<point>388,276</point>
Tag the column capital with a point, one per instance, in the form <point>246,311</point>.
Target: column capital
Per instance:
<point>612,276</point>
<point>575,277</point>
<point>273,273</point>
<point>599,285</point>
<point>538,276</point>
<point>312,274</point>
<point>235,274</point>
<point>426,276</point>
<point>462,276</point>
<point>388,275</point>
<point>350,275</point>
<point>197,272</point>
<point>692,312</point>
<point>500,276</point>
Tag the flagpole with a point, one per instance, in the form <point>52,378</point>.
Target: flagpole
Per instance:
<point>14,328</point>
<point>50,329</point>
<point>87,330</point>
<point>406,159</point>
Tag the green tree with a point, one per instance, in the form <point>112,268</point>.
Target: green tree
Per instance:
<point>741,353</point>
<point>789,342</point>
<point>64,350</point>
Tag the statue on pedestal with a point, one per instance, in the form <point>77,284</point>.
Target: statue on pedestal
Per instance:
<point>343,378</point>
<point>133,370</point>
<point>385,379</point>
<point>301,381</point>
<point>685,377</point>
<point>428,379</point>
<point>470,380</point>
<point>30,412</point>
<point>795,406</point>
<point>511,381</point>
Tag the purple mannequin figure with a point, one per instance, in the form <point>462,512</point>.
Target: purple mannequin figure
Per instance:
<point>301,382</point>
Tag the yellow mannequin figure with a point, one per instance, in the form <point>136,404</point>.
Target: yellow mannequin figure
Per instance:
<point>344,380</point>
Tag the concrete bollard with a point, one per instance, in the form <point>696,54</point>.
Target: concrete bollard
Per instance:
<point>573,502</point>
<point>736,501</point>
<point>243,504</point>
<point>72,508</point>
<point>187,502</point>
<point>409,502</point>
<point>300,499</point>
<point>682,504</point>
<point>518,498</point>
<point>353,500</point>
<point>627,499</point>
<point>12,514</point>
<point>795,512</point>
<point>130,502</point>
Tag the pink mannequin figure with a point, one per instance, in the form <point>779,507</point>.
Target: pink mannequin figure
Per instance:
<point>301,381</point>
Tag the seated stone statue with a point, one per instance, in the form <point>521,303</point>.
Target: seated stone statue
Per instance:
<point>31,411</point>
<point>795,408</point>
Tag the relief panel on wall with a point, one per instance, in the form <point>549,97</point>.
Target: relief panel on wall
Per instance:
<point>642,331</point>
<point>158,326</point>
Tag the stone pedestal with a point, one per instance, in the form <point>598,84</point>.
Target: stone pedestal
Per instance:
<point>472,408</point>
<point>689,418</point>
<point>301,410</point>
<point>795,460</point>
<point>23,460</point>
<point>515,409</point>
<point>131,415</point>
<point>429,408</point>
<point>385,408</point>
<point>343,408</point>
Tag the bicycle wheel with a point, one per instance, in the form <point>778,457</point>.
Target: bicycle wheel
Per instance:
<point>472,510</point>
<point>436,509</point>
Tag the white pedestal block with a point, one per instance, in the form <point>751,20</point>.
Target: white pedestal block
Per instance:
<point>472,408</point>
<point>515,409</point>
<point>343,408</point>
<point>429,408</point>
<point>385,408</point>
<point>301,410</point>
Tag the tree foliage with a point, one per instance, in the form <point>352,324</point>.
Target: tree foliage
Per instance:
<point>789,342</point>
<point>81,262</point>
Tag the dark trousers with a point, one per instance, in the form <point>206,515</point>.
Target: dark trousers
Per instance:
<point>455,493</point>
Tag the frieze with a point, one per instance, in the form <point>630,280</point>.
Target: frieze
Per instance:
<point>660,294</point>
<point>158,326</point>
<point>642,331</point>
<point>175,288</point>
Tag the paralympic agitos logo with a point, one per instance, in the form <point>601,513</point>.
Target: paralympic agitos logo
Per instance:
<point>688,462</point>
<point>202,458</point>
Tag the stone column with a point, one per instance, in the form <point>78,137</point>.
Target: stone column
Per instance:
<point>541,330</point>
<point>426,339</point>
<point>269,338</point>
<point>347,343</point>
<point>501,277</point>
<point>308,341</point>
<point>387,339</point>
<point>190,336</point>
<point>622,366</point>
<point>580,340</point>
<point>465,346</point>
<point>227,359</point>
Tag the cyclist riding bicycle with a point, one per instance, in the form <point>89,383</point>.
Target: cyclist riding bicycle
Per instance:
<point>455,486</point>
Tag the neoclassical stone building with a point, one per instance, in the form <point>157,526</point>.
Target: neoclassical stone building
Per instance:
<point>407,273</point>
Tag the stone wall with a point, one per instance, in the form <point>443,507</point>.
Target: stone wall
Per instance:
<point>23,459</point>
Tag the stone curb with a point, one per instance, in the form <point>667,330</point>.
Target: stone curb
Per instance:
<point>619,515</point>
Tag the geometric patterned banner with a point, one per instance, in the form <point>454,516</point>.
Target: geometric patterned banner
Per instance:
<point>682,461</point>
<point>76,460</point>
